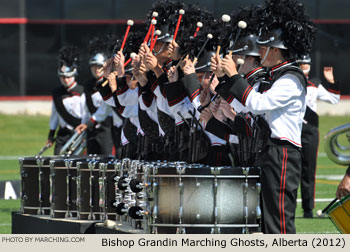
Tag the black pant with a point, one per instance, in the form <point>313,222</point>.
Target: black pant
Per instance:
<point>310,139</point>
<point>280,177</point>
<point>116,135</point>
<point>217,156</point>
<point>99,140</point>
<point>63,135</point>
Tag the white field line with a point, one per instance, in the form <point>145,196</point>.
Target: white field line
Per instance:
<point>319,200</point>
<point>10,157</point>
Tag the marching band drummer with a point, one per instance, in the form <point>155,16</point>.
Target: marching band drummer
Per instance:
<point>245,50</point>
<point>131,126</point>
<point>310,134</point>
<point>286,34</point>
<point>68,102</point>
<point>99,132</point>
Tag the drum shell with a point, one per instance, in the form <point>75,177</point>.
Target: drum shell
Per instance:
<point>198,192</point>
<point>339,213</point>
<point>63,191</point>
<point>31,191</point>
<point>88,191</point>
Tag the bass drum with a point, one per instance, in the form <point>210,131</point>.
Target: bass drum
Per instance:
<point>201,199</point>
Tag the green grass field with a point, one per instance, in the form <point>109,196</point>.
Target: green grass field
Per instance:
<point>25,135</point>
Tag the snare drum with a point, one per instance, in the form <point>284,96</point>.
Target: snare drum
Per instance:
<point>35,185</point>
<point>339,214</point>
<point>63,192</point>
<point>88,190</point>
<point>186,198</point>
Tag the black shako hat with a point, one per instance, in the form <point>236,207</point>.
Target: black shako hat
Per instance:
<point>68,59</point>
<point>285,25</point>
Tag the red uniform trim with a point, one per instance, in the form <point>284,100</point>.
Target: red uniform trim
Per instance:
<point>93,120</point>
<point>195,94</point>
<point>284,189</point>
<point>154,86</point>
<point>105,98</point>
<point>245,94</point>
<point>252,72</point>
<point>280,195</point>
<point>230,99</point>
<point>176,101</point>
<point>123,90</point>
<point>333,91</point>
<point>311,84</point>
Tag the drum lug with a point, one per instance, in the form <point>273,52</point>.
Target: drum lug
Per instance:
<point>245,171</point>
<point>245,188</point>
<point>198,217</point>
<point>245,212</point>
<point>155,212</point>
<point>126,162</point>
<point>180,230</point>
<point>155,230</point>
<point>258,212</point>
<point>24,174</point>
<point>180,170</point>
<point>215,170</point>
<point>258,209</point>
<point>215,230</point>
<point>181,211</point>
<point>245,230</point>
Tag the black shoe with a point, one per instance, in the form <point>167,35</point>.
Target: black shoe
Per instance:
<point>308,214</point>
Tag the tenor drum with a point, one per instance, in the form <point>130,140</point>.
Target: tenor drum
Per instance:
<point>200,199</point>
<point>339,214</point>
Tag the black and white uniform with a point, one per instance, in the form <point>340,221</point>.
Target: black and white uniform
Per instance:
<point>166,119</point>
<point>131,126</point>
<point>99,134</point>
<point>283,102</point>
<point>209,149</point>
<point>104,111</point>
<point>67,111</point>
<point>310,137</point>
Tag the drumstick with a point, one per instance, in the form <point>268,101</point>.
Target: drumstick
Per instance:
<point>181,13</point>
<point>209,36</point>
<point>321,213</point>
<point>158,33</point>
<point>132,56</point>
<point>127,62</point>
<point>154,22</point>
<point>242,25</point>
<point>225,19</point>
<point>154,15</point>
<point>240,61</point>
<point>129,23</point>
<point>199,26</point>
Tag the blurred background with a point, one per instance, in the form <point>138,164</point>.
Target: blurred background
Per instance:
<point>32,31</point>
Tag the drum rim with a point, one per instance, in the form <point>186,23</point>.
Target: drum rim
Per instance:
<point>338,203</point>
